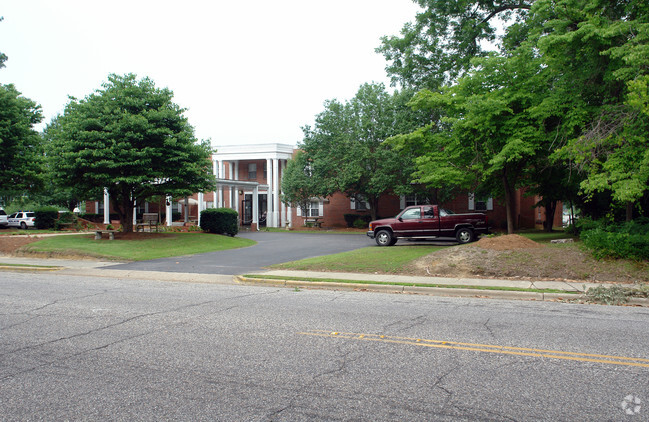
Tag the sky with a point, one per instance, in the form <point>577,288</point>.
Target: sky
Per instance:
<point>247,72</point>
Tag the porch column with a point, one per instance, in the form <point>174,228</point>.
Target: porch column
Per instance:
<point>134,213</point>
<point>215,172</point>
<point>282,206</point>
<point>186,220</point>
<point>200,207</point>
<point>255,207</point>
<point>275,192</point>
<point>106,207</point>
<point>269,194</point>
<point>236,189</point>
<point>168,210</point>
<point>220,188</point>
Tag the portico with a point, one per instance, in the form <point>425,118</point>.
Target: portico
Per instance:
<point>237,166</point>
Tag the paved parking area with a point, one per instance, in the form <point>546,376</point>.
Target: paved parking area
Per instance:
<point>271,248</point>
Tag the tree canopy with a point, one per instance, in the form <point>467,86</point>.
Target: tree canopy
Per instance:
<point>561,99</point>
<point>131,139</point>
<point>21,145</point>
<point>345,149</point>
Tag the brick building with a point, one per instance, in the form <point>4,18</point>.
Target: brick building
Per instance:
<point>249,181</point>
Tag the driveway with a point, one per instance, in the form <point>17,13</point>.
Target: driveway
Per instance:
<point>271,248</point>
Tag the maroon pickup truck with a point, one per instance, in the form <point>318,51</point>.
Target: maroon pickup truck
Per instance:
<point>428,221</point>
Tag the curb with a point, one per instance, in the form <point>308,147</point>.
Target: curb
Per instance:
<point>432,291</point>
<point>28,269</point>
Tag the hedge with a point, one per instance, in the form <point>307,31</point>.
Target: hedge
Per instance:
<point>220,220</point>
<point>45,217</point>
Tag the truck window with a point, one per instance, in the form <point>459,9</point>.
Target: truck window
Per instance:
<point>411,214</point>
<point>429,212</point>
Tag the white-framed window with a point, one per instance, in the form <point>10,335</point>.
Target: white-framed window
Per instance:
<point>359,203</point>
<point>408,200</point>
<point>477,203</point>
<point>316,209</point>
<point>252,171</point>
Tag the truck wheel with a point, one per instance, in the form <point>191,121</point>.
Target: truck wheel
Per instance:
<point>464,235</point>
<point>384,238</point>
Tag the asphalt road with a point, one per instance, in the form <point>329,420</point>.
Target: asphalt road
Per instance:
<point>271,248</point>
<point>83,348</point>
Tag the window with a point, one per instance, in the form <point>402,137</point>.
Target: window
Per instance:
<point>315,209</point>
<point>411,214</point>
<point>252,171</point>
<point>359,203</point>
<point>429,212</point>
<point>409,200</point>
<point>480,203</point>
<point>265,170</point>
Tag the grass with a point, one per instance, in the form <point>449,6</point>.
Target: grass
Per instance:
<point>155,246</point>
<point>370,259</point>
<point>397,283</point>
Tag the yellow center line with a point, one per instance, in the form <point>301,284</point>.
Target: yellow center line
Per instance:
<point>487,348</point>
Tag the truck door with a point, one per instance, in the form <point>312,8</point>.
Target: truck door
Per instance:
<point>409,223</point>
<point>429,222</point>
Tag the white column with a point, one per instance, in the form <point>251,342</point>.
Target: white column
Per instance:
<point>269,193</point>
<point>236,190</point>
<point>200,206</point>
<point>221,176</point>
<point>134,214</point>
<point>275,193</point>
<point>168,210</point>
<point>106,207</point>
<point>282,206</point>
<point>255,206</point>
<point>215,171</point>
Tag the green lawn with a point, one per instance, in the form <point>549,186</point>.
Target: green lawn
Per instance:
<point>370,259</point>
<point>161,245</point>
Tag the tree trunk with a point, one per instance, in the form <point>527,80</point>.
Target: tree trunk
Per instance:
<point>510,206</point>
<point>550,210</point>
<point>629,211</point>
<point>374,208</point>
<point>124,209</point>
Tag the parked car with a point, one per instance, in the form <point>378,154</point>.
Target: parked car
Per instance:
<point>3,219</point>
<point>428,222</point>
<point>22,219</point>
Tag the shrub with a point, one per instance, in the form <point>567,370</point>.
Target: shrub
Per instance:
<point>351,219</point>
<point>45,217</point>
<point>360,223</point>
<point>220,220</point>
<point>613,240</point>
<point>66,219</point>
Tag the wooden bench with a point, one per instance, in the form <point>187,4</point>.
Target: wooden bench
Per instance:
<point>111,234</point>
<point>148,220</point>
<point>314,220</point>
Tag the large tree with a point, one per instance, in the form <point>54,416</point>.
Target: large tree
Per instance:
<point>21,145</point>
<point>345,148</point>
<point>445,36</point>
<point>568,75</point>
<point>299,187</point>
<point>131,139</point>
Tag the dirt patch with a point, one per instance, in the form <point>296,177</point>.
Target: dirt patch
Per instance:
<point>514,257</point>
<point>507,242</point>
<point>9,244</point>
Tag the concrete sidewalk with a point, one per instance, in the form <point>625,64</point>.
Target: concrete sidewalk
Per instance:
<point>444,286</point>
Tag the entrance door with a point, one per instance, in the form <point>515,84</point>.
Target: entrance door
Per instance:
<point>246,206</point>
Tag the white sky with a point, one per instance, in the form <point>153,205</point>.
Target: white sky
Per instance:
<point>247,71</point>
